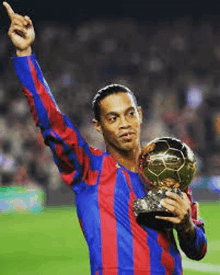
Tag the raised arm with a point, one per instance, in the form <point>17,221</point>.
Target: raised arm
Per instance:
<point>72,155</point>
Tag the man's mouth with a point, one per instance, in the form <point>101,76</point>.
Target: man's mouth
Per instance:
<point>127,135</point>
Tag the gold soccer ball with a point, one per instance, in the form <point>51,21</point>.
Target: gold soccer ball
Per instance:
<point>167,163</point>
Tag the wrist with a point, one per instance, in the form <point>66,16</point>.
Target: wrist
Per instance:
<point>186,230</point>
<point>25,52</point>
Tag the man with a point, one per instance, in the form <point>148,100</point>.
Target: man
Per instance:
<point>106,183</point>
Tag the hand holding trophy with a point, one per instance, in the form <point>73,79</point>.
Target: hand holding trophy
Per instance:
<point>165,164</point>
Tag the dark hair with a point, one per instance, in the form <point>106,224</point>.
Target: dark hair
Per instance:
<point>108,90</point>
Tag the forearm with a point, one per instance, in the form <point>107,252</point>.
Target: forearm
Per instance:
<point>193,242</point>
<point>42,103</point>
<point>186,230</point>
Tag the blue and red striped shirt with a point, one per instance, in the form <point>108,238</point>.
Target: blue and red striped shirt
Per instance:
<point>104,192</point>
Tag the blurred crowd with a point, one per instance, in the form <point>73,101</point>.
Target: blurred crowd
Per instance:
<point>172,67</point>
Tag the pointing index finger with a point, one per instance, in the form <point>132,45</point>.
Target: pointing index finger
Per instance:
<point>9,10</point>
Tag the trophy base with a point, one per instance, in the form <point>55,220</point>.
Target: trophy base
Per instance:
<point>146,208</point>
<point>148,219</point>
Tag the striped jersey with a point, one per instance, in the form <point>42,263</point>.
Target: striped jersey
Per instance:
<point>104,193</point>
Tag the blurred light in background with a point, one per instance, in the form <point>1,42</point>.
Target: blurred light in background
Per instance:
<point>18,199</point>
<point>214,184</point>
<point>217,125</point>
<point>66,80</point>
<point>194,97</point>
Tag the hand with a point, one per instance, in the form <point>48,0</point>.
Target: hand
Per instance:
<point>21,31</point>
<point>181,208</point>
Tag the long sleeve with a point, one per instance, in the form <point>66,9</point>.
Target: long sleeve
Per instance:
<point>72,155</point>
<point>195,248</point>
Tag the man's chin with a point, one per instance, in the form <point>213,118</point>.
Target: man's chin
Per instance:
<point>128,147</point>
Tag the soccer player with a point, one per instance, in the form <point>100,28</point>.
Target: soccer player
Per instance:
<point>106,182</point>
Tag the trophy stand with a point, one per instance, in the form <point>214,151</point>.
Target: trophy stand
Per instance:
<point>148,207</point>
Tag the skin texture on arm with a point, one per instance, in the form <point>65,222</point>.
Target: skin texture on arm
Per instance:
<point>21,31</point>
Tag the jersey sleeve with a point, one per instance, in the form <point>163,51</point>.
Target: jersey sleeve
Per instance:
<point>75,159</point>
<point>195,248</point>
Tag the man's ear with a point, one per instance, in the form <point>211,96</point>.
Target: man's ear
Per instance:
<point>97,125</point>
<point>140,113</point>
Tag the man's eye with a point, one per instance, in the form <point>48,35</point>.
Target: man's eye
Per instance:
<point>112,118</point>
<point>131,113</point>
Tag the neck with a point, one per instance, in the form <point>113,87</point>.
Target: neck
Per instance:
<point>128,159</point>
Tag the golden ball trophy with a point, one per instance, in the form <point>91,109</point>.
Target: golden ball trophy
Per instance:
<point>165,164</point>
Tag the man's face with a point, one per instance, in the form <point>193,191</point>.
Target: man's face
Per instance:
<point>120,121</point>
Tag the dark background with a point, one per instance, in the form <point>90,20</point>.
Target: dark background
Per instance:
<point>73,12</point>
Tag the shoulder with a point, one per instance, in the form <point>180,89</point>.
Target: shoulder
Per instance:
<point>96,152</point>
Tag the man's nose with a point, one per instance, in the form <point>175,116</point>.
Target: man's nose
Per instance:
<point>124,122</point>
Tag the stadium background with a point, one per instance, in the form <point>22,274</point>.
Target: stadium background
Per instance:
<point>168,54</point>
